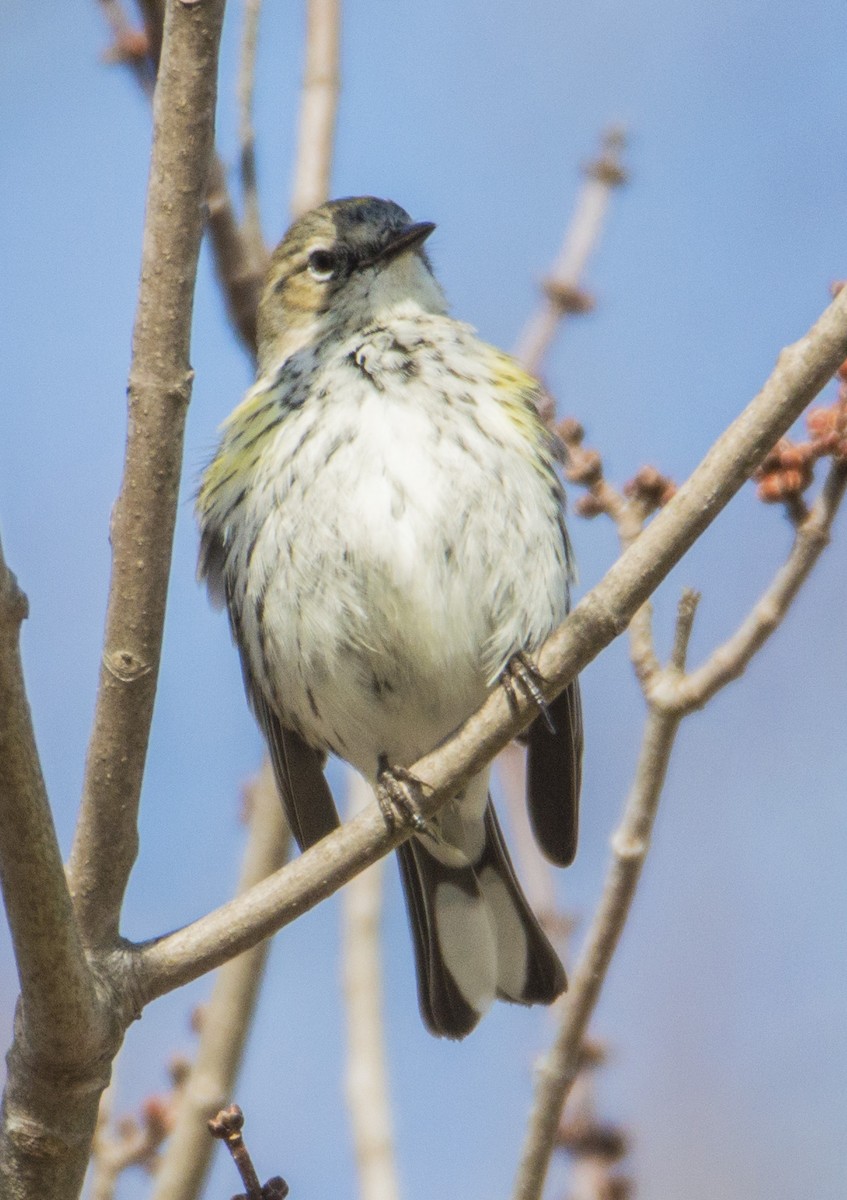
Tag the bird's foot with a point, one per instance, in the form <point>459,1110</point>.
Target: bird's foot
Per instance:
<point>398,794</point>
<point>520,670</point>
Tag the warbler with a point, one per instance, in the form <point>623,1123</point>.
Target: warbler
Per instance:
<point>384,521</point>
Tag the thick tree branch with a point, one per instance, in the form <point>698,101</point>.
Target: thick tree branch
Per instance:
<point>142,526</point>
<point>367,1075</point>
<point>801,371</point>
<point>318,106</point>
<point>50,1110</point>
<point>227,1017</point>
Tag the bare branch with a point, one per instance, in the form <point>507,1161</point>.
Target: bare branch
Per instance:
<point>228,1015</point>
<point>367,1077</point>
<point>49,1112</point>
<point>629,849</point>
<point>132,1141</point>
<point>56,985</point>
<point>252,223</point>
<point>130,46</point>
<point>227,1126</point>
<point>143,521</point>
<point>730,660</point>
<point>240,261</point>
<point>563,287</point>
<point>629,510</point>
<point>801,371</point>
<point>671,695</point>
<point>321,85</point>
<point>239,274</point>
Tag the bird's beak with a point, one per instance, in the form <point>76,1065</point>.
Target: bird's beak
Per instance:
<point>407,238</point>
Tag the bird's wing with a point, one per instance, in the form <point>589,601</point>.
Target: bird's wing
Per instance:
<point>298,767</point>
<point>554,777</point>
<point>300,780</point>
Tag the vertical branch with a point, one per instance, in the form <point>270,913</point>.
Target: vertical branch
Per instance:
<point>143,521</point>
<point>56,985</point>
<point>563,287</point>
<point>367,1077</point>
<point>321,85</point>
<point>228,1015</point>
<point>252,223</point>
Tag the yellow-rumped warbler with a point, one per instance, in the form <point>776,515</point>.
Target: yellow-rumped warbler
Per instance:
<point>384,521</point>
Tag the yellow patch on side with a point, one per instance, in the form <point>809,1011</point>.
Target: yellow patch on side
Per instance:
<point>242,444</point>
<point>520,393</point>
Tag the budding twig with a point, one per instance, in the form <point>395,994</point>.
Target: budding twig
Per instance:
<point>227,1126</point>
<point>563,292</point>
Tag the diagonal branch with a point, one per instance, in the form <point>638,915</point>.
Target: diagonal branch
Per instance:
<point>801,371</point>
<point>240,272</point>
<point>563,292</point>
<point>143,521</point>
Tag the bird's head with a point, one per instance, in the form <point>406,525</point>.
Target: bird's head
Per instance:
<point>341,267</point>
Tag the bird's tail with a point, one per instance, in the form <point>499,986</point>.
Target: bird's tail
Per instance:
<point>475,936</point>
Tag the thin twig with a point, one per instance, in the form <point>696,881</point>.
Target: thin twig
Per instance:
<point>730,660</point>
<point>628,510</point>
<point>129,45</point>
<point>367,1076</point>
<point>132,1141</point>
<point>251,226</point>
<point>239,274</point>
<point>227,1126</point>
<point>318,106</point>
<point>563,287</point>
<point>228,1015</point>
<point>801,371</point>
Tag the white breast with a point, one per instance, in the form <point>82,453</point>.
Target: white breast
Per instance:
<point>412,547</point>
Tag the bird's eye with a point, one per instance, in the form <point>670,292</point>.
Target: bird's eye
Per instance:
<point>322,265</point>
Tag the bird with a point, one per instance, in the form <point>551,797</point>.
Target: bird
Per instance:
<point>383,520</point>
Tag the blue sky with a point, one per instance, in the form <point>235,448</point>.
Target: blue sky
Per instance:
<point>725,1008</point>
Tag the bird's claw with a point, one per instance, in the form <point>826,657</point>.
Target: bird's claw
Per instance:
<point>397,792</point>
<point>521,670</point>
